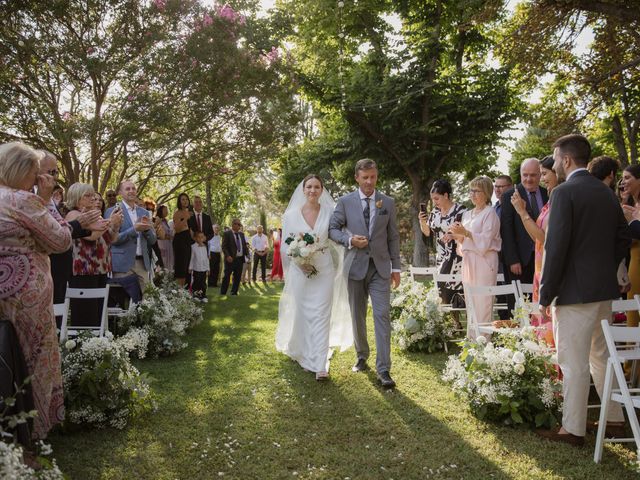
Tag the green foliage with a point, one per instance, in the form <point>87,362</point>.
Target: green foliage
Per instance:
<point>511,380</point>
<point>101,386</point>
<point>167,92</point>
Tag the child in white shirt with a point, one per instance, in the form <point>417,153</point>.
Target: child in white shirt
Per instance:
<point>199,267</point>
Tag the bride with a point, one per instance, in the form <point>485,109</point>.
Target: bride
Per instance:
<point>314,310</point>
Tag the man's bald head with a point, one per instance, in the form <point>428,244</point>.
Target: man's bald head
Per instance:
<point>530,174</point>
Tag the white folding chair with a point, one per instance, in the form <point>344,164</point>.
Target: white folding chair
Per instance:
<point>61,310</point>
<point>448,278</point>
<point>80,293</point>
<point>628,397</point>
<point>421,271</point>
<point>484,291</point>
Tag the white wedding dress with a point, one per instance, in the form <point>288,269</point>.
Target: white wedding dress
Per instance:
<point>314,312</point>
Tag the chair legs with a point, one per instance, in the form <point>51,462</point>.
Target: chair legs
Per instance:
<point>604,410</point>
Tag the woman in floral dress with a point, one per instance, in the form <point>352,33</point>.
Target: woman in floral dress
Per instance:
<point>438,222</point>
<point>28,234</point>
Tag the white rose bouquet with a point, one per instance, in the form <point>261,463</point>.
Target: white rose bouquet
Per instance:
<point>302,249</point>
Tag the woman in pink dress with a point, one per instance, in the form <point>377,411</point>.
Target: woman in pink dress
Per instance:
<point>478,238</point>
<point>28,234</point>
<point>537,231</point>
<point>276,269</point>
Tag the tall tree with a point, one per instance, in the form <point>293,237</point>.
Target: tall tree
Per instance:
<point>422,99</point>
<point>164,91</point>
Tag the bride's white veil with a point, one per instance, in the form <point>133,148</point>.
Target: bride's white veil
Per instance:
<point>341,331</point>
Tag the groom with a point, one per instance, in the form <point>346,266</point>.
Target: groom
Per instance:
<point>365,220</point>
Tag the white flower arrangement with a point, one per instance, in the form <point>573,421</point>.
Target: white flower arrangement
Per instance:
<point>302,248</point>
<point>160,321</point>
<point>417,320</point>
<point>101,386</point>
<point>511,380</point>
<point>12,467</point>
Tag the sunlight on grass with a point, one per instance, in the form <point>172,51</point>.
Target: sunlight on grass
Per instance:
<point>230,406</point>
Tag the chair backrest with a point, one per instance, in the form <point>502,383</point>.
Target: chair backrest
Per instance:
<point>424,271</point>
<point>61,310</point>
<point>630,305</point>
<point>447,277</point>
<point>488,290</point>
<point>81,293</point>
<point>621,335</point>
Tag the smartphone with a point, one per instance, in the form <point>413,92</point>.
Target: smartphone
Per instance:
<point>458,217</point>
<point>423,207</point>
<point>117,208</point>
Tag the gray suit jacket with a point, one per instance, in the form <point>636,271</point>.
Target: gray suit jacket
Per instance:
<point>123,250</point>
<point>384,241</point>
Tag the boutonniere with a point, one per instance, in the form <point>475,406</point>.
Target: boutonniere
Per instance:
<point>379,204</point>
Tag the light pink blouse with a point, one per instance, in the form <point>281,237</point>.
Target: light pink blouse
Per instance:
<point>485,232</point>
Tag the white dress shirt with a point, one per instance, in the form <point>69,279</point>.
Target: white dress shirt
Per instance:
<point>199,259</point>
<point>133,215</point>
<point>259,242</point>
<point>214,244</point>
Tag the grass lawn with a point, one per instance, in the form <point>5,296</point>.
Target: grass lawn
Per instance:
<point>230,406</point>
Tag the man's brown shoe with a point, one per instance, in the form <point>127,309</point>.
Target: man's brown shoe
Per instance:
<point>613,430</point>
<point>555,436</point>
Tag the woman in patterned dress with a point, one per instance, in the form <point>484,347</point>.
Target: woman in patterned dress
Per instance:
<point>28,234</point>
<point>91,256</point>
<point>445,213</point>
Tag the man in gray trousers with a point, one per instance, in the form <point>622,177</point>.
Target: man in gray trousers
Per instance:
<point>364,221</point>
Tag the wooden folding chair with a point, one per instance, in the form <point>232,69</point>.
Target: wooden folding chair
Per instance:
<point>81,293</point>
<point>628,339</point>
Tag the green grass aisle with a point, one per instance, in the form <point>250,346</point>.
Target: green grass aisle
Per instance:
<point>230,406</point>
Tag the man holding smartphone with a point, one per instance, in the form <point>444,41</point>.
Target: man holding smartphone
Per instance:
<point>130,252</point>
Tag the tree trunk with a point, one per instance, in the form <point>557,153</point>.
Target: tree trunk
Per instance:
<point>618,138</point>
<point>420,250</point>
<point>208,198</point>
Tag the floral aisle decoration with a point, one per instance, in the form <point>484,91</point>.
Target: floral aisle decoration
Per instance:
<point>417,321</point>
<point>303,248</point>
<point>163,316</point>
<point>511,380</point>
<point>11,453</point>
<point>12,467</point>
<point>101,386</point>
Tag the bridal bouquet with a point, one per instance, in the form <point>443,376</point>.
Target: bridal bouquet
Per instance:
<point>303,248</point>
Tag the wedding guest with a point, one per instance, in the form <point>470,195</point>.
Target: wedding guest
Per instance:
<point>276,268</point>
<point>200,221</point>
<point>443,215</point>
<point>91,255</point>
<point>199,267</point>
<point>130,252</point>
<point>605,169</point>
<point>579,279</point>
<point>233,249</point>
<point>28,234</point>
<point>246,267</point>
<point>98,203</point>
<point>86,222</point>
<point>112,198</point>
<point>164,232</point>
<point>58,195</point>
<point>501,184</point>
<point>215,251</point>
<point>517,247</point>
<point>149,204</point>
<point>478,239</point>
<point>631,184</point>
<point>182,238</point>
<point>537,231</point>
<point>260,245</point>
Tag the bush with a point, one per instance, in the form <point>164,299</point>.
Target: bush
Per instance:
<point>417,321</point>
<point>101,386</point>
<point>512,381</point>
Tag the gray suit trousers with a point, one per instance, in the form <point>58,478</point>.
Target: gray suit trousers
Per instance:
<point>379,289</point>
